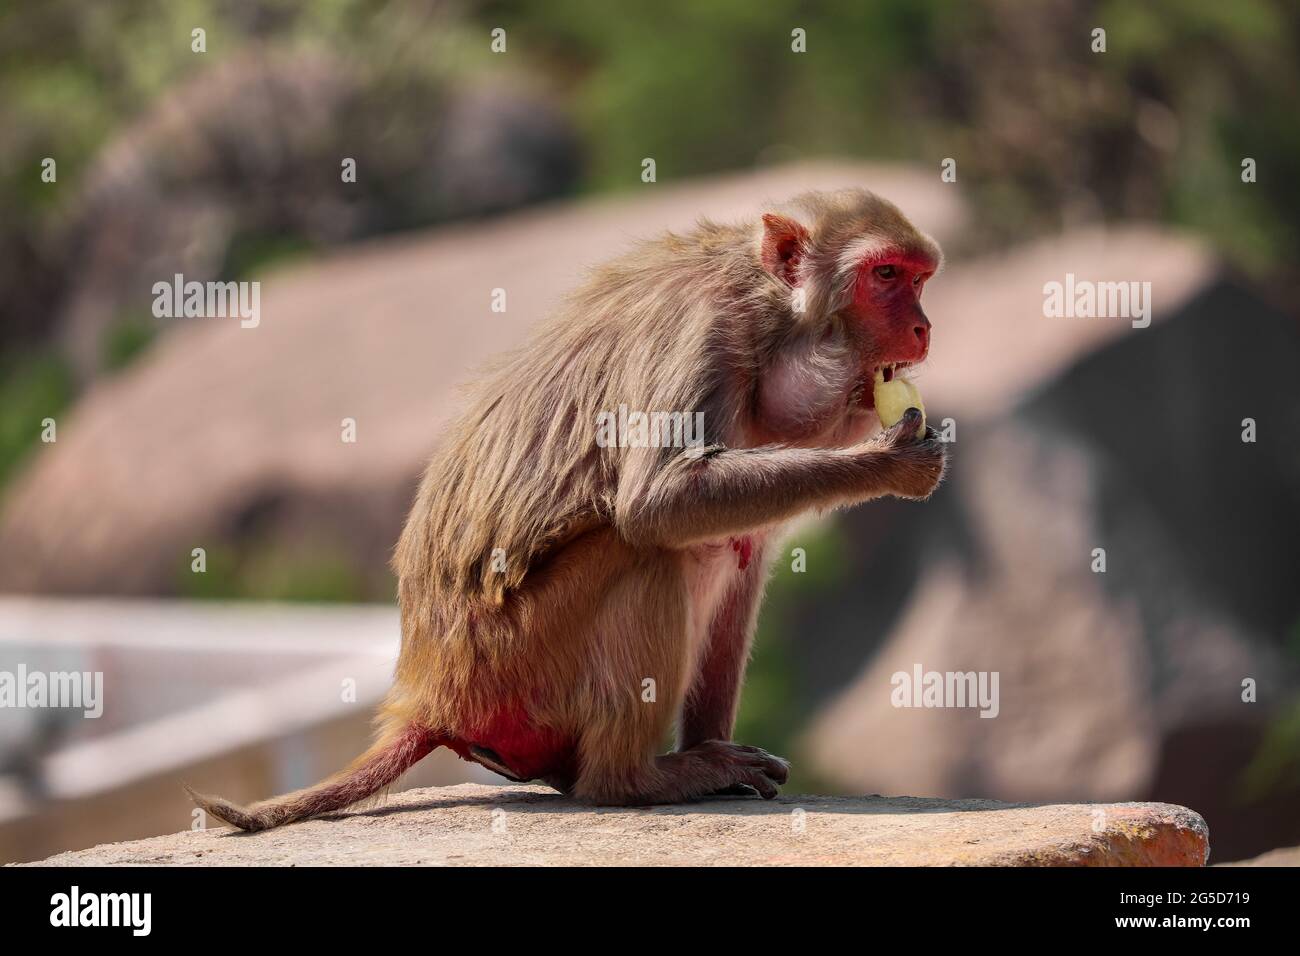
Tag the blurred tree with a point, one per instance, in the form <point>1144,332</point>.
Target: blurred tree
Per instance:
<point>1045,131</point>
<point>241,144</point>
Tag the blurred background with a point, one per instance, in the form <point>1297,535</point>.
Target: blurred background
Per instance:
<point>251,666</point>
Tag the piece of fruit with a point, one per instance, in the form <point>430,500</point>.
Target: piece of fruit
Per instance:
<point>894,397</point>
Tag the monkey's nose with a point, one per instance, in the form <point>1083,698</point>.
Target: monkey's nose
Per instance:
<point>923,336</point>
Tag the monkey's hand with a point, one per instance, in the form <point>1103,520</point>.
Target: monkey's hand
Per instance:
<point>914,466</point>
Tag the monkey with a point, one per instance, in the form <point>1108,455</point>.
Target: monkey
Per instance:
<point>567,604</point>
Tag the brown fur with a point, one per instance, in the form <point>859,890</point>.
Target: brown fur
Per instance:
<point>619,562</point>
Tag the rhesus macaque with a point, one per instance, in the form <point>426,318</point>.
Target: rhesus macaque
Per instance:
<point>565,601</point>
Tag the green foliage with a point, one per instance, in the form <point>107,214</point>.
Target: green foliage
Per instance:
<point>1155,127</point>
<point>1276,766</point>
<point>1230,73</point>
<point>251,256</point>
<point>126,340</point>
<point>274,571</point>
<point>720,87</point>
<point>33,386</point>
<point>1036,120</point>
<point>72,73</point>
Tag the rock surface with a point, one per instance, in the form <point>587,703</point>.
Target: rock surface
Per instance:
<point>481,825</point>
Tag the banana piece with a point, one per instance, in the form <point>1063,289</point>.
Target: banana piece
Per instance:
<point>894,397</point>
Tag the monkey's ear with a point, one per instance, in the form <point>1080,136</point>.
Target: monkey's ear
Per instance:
<point>784,243</point>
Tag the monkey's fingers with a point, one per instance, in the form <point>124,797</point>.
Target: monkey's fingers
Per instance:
<point>905,431</point>
<point>775,767</point>
<point>763,772</point>
<point>918,467</point>
<point>745,766</point>
<point>767,789</point>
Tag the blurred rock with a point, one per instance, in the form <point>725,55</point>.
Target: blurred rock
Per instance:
<point>992,343</point>
<point>1126,684</point>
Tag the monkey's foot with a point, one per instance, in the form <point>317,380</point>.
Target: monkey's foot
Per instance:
<point>743,769</point>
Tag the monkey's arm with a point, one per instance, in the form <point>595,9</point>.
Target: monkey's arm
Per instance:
<point>709,493</point>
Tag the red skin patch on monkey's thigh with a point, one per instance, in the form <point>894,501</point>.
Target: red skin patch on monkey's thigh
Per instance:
<point>529,751</point>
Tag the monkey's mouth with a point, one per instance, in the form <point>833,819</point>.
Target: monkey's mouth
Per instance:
<point>863,394</point>
<point>887,371</point>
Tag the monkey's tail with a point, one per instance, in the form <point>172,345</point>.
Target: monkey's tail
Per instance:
<point>387,759</point>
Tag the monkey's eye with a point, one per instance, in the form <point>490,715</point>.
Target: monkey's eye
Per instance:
<point>886,272</point>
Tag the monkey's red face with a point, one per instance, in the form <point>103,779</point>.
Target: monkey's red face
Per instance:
<point>887,304</point>
<point>824,386</point>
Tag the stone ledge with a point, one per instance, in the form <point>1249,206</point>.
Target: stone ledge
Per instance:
<point>481,825</point>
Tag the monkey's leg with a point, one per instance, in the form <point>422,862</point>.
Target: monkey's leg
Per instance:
<point>642,632</point>
<point>706,494</point>
<point>709,712</point>
<point>710,709</point>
